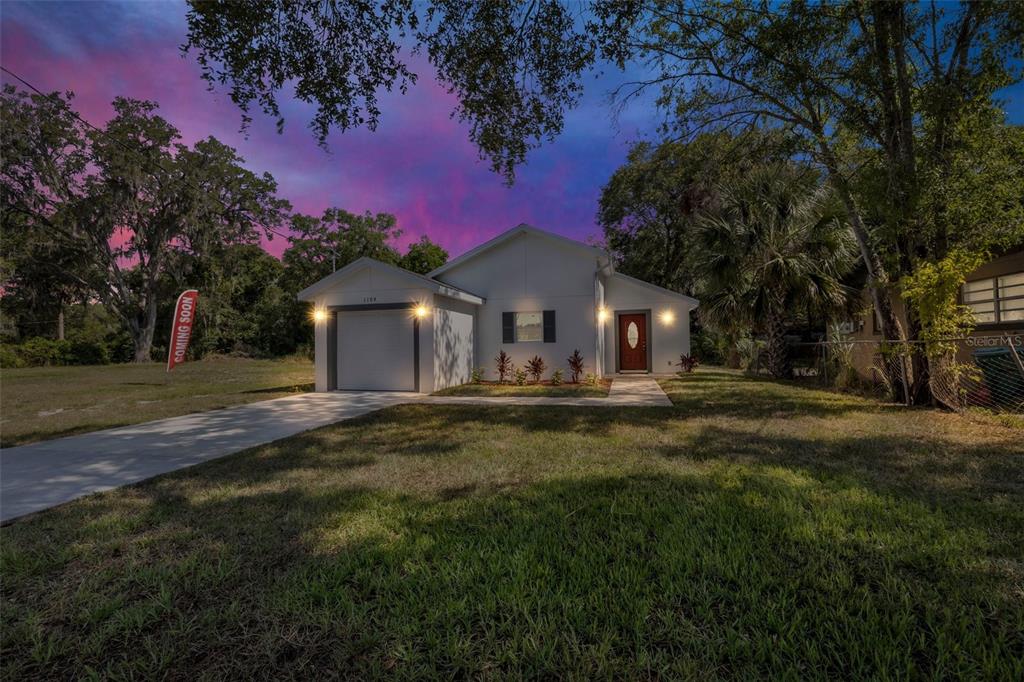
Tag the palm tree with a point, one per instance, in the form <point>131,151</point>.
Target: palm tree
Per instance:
<point>777,246</point>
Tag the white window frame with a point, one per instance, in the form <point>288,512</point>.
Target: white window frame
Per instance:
<point>998,300</point>
<point>540,326</point>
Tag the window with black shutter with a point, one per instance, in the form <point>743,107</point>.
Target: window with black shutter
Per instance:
<point>508,327</point>
<point>549,326</point>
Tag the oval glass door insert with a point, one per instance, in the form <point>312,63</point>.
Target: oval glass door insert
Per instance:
<point>632,334</point>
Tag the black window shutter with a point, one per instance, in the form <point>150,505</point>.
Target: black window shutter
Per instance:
<point>549,326</point>
<point>508,327</point>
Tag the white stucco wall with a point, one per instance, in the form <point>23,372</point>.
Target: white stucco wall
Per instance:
<point>668,340</point>
<point>453,342</point>
<point>599,303</point>
<point>373,285</point>
<point>320,356</point>
<point>532,273</point>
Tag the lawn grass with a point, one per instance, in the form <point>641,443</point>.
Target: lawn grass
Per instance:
<point>50,402</point>
<point>756,531</point>
<point>491,389</point>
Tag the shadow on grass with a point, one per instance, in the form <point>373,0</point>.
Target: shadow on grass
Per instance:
<point>720,392</point>
<point>294,388</point>
<point>918,466</point>
<point>427,541</point>
<point>926,469</point>
<point>748,575</point>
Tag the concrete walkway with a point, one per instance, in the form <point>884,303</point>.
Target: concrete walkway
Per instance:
<point>42,475</point>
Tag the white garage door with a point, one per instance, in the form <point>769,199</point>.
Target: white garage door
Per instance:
<point>375,351</point>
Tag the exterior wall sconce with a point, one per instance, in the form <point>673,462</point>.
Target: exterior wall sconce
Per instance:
<point>602,315</point>
<point>319,315</point>
<point>421,311</point>
<point>668,317</point>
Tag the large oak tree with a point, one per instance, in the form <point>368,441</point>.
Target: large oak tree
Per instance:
<point>124,198</point>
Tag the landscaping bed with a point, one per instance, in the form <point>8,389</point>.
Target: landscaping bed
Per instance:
<point>543,389</point>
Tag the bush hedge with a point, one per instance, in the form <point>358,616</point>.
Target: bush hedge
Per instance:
<point>43,352</point>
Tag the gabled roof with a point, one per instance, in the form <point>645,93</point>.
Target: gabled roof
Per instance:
<point>521,228</point>
<point>330,280</point>
<point>661,290</point>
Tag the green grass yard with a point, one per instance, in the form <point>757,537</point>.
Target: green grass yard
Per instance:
<point>543,390</point>
<point>756,530</point>
<point>49,402</point>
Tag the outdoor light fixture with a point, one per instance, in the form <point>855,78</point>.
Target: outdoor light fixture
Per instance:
<point>668,317</point>
<point>421,311</point>
<point>318,315</point>
<point>602,314</point>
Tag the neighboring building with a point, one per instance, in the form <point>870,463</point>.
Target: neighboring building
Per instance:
<point>527,291</point>
<point>994,293</point>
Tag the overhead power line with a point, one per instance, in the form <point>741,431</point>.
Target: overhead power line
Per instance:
<point>123,146</point>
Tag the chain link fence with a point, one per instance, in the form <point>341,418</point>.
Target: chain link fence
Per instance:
<point>980,372</point>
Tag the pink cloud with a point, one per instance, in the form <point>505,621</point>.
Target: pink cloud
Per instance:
<point>418,165</point>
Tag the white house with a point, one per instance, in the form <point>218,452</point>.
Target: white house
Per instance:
<point>529,292</point>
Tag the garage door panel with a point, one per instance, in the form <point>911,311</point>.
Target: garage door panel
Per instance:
<point>375,351</point>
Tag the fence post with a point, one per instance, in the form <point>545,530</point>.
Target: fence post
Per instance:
<point>906,379</point>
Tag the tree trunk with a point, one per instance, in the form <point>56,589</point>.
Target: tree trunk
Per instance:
<point>878,278</point>
<point>142,334</point>
<point>776,354</point>
<point>920,374</point>
<point>143,345</point>
<point>60,323</point>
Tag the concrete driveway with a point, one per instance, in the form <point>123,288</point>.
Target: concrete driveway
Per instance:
<point>41,475</point>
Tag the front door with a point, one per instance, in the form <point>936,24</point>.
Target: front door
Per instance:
<point>632,342</point>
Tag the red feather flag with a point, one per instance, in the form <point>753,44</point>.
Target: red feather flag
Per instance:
<point>181,332</point>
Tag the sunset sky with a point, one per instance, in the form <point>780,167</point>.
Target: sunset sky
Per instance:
<point>418,165</point>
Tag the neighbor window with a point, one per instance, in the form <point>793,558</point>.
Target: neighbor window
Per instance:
<point>529,327</point>
<point>997,299</point>
<point>1011,297</point>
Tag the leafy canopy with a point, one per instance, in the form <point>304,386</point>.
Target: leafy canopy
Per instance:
<point>513,67</point>
<point>125,198</point>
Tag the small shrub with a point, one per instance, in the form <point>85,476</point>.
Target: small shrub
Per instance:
<point>504,364</point>
<point>839,356</point>
<point>520,376</point>
<point>591,379</point>
<point>477,375</point>
<point>556,378</point>
<point>9,357</point>
<point>707,347</point>
<point>749,351</point>
<point>40,352</point>
<point>86,352</point>
<point>122,348</point>
<point>535,368</point>
<point>575,366</point>
<point>686,364</point>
